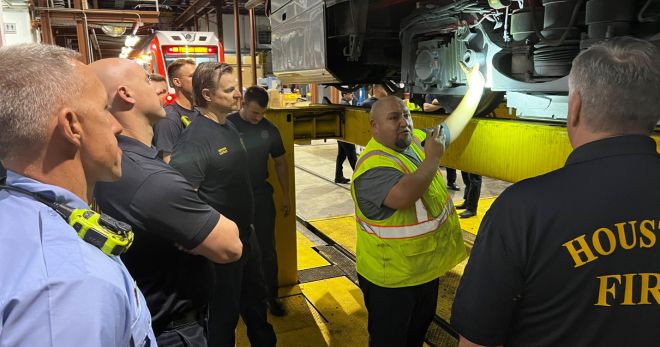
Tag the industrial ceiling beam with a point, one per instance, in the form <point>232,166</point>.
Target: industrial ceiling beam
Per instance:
<point>105,16</point>
<point>195,9</point>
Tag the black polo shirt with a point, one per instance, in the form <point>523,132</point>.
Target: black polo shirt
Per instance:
<point>164,210</point>
<point>261,141</point>
<point>212,157</point>
<point>566,258</point>
<point>168,130</point>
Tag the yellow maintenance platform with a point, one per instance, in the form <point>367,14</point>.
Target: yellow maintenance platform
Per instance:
<point>316,247</point>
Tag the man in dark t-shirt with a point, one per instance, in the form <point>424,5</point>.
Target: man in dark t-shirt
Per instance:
<point>180,113</point>
<point>211,155</point>
<point>165,213</point>
<point>571,258</point>
<point>262,140</point>
<point>345,150</point>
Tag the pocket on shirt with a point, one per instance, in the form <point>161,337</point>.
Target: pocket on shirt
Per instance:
<point>419,253</point>
<point>141,327</point>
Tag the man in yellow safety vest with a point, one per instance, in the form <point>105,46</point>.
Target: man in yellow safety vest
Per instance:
<point>407,228</point>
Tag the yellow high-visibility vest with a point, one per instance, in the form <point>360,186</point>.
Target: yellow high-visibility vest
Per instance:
<point>412,106</point>
<point>414,245</point>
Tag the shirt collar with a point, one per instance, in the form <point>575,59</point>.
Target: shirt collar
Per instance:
<point>129,144</point>
<point>613,146</point>
<point>56,193</point>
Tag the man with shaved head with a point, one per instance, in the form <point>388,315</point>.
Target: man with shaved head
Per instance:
<point>58,140</point>
<point>407,228</point>
<point>167,215</point>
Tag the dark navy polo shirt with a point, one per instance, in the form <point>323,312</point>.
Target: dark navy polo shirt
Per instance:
<point>570,258</point>
<point>168,130</point>
<point>164,210</point>
<point>212,157</point>
<point>261,140</point>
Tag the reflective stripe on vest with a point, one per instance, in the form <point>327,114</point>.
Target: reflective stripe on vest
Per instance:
<point>423,225</point>
<point>407,231</point>
<point>420,211</point>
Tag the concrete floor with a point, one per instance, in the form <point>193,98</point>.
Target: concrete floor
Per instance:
<point>331,312</point>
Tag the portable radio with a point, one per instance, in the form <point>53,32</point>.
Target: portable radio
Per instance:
<point>109,235</point>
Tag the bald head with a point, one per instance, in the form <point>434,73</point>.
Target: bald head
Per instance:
<point>114,72</point>
<point>130,95</point>
<point>391,123</point>
<point>385,105</point>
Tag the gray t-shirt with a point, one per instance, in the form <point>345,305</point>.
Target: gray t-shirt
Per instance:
<point>372,187</point>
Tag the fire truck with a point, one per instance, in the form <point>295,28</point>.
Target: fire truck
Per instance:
<point>164,47</point>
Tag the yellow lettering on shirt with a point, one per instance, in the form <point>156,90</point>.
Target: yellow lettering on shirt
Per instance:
<point>621,229</point>
<point>628,291</point>
<point>604,241</point>
<point>604,289</point>
<point>621,289</point>
<point>583,249</point>
<point>646,289</point>
<point>646,228</point>
<point>223,150</point>
<point>598,246</point>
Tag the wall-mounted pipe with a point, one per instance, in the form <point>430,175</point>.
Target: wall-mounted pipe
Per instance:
<point>237,44</point>
<point>253,47</point>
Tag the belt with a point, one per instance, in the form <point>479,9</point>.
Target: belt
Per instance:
<point>188,317</point>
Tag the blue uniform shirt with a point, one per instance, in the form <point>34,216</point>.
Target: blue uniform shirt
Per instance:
<point>56,289</point>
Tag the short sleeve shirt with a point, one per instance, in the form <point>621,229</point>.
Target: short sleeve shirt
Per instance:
<point>567,258</point>
<point>212,156</point>
<point>164,210</point>
<point>372,187</point>
<point>56,289</point>
<point>168,130</point>
<point>261,141</point>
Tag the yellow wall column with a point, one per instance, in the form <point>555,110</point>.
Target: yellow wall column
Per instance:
<point>285,228</point>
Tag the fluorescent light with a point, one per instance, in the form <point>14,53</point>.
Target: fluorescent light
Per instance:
<point>131,40</point>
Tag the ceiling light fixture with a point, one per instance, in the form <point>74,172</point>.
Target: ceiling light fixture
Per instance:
<point>113,30</point>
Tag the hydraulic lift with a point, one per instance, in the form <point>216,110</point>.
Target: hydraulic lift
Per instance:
<point>506,148</point>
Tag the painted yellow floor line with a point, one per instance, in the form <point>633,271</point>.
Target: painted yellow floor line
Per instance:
<point>472,224</point>
<point>307,257</point>
<point>331,218</point>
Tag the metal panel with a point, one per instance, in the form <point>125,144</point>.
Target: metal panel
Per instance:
<point>298,42</point>
<point>276,5</point>
<point>538,106</point>
<point>509,150</point>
